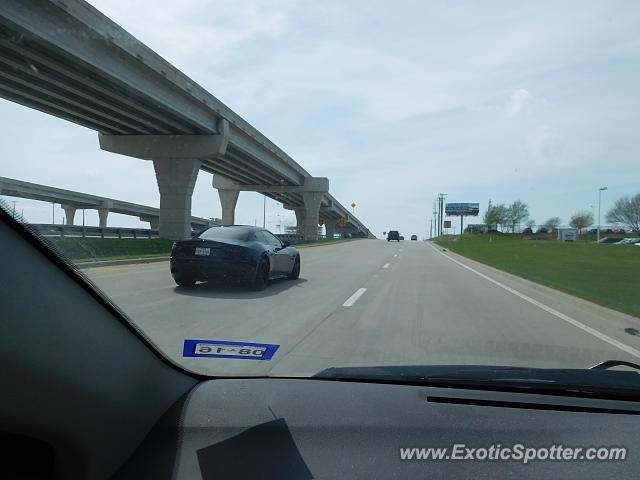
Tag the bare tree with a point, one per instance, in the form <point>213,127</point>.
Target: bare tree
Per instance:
<point>517,212</point>
<point>581,220</point>
<point>531,223</point>
<point>552,223</point>
<point>626,211</point>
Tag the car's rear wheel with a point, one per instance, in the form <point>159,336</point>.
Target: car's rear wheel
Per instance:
<point>295,271</point>
<point>185,280</point>
<point>261,279</point>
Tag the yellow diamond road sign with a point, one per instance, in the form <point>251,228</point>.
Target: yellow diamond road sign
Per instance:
<point>342,222</point>
<point>353,205</point>
<point>321,221</point>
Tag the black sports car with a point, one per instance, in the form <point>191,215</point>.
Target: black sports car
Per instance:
<point>249,254</point>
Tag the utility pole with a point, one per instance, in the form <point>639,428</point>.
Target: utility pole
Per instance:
<point>264,211</point>
<point>441,197</point>
<point>600,190</point>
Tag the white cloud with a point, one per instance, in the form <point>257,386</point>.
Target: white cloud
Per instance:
<point>517,102</point>
<point>413,98</point>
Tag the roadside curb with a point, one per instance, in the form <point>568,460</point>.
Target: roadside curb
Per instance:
<point>129,261</point>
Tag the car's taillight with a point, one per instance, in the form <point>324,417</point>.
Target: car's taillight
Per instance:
<point>236,253</point>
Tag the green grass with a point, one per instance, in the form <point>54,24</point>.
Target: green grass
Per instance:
<point>602,273</point>
<point>80,249</point>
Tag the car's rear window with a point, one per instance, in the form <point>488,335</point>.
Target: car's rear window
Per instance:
<point>226,233</point>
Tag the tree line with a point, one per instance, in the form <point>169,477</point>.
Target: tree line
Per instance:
<point>625,211</point>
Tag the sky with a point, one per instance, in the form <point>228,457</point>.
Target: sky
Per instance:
<point>394,102</point>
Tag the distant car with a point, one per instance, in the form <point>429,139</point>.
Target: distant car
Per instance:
<point>401,237</point>
<point>593,231</point>
<point>542,230</point>
<point>608,230</point>
<point>527,231</point>
<point>393,235</point>
<point>628,241</point>
<point>249,254</point>
<point>619,230</point>
<point>414,237</point>
<point>610,240</point>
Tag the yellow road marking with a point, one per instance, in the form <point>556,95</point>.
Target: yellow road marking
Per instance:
<point>119,269</point>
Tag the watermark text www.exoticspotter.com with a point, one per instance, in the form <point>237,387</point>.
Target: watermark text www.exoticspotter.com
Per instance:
<point>514,453</point>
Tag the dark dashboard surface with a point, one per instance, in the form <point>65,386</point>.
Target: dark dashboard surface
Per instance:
<point>289,428</point>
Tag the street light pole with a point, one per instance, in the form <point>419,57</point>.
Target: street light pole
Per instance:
<point>600,190</point>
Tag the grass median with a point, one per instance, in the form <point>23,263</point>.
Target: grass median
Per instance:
<point>80,250</point>
<point>606,274</point>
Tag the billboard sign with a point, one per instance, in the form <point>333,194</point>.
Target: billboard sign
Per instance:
<point>462,209</point>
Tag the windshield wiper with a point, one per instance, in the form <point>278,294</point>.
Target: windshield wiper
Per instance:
<point>599,382</point>
<point>614,363</point>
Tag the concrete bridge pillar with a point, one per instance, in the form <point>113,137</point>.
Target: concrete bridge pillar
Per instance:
<point>312,202</point>
<point>330,227</point>
<point>312,192</point>
<point>176,179</point>
<point>103,213</point>
<point>176,161</point>
<point>69,214</point>
<point>154,222</point>
<point>228,201</point>
<point>300,219</point>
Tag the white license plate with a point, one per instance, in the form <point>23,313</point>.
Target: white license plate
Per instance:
<point>234,350</point>
<point>203,251</point>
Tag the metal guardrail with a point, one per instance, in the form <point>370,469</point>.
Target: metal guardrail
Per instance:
<point>103,232</point>
<point>116,232</point>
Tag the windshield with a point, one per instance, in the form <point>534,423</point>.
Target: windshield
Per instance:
<point>413,183</point>
<point>225,233</point>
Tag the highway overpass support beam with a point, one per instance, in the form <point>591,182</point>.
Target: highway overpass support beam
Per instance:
<point>69,214</point>
<point>228,201</point>
<point>330,227</point>
<point>154,222</point>
<point>312,202</point>
<point>176,161</point>
<point>300,219</point>
<point>312,193</point>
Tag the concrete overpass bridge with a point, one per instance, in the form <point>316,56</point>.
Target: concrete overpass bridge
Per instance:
<point>69,60</point>
<point>72,201</point>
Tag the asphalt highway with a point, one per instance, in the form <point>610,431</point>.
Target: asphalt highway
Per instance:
<point>371,302</point>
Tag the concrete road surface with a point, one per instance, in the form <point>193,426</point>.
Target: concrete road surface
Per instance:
<point>371,302</point>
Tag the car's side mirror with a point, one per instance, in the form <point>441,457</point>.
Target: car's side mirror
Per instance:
<point>285,244</point>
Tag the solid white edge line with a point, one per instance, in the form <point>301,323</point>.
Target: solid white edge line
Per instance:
<point>386,265</point>
<point>560,315</point>
<point>354,298</point>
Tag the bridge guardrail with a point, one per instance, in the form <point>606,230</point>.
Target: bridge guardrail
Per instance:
<point>103,232</point>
